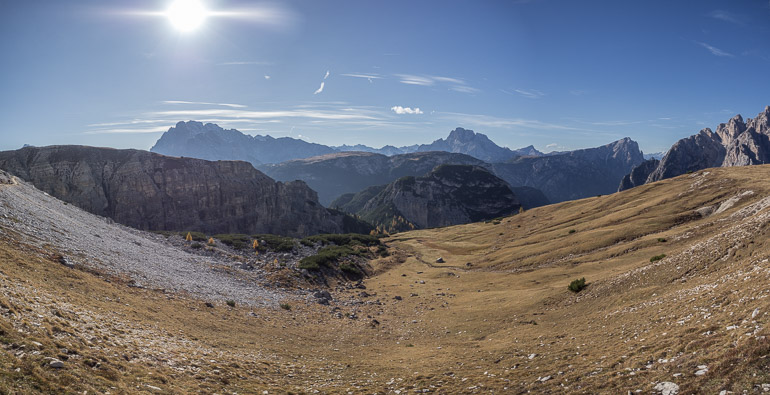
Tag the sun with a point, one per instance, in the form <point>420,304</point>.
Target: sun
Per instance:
<point>186,15</point>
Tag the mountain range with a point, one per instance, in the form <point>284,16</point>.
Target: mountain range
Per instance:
<point>735,143</point>
<point>210,141</point>
<point>335,171</point>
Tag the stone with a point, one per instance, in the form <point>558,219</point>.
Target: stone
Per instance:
<point>56,364</point>
<point>440,260</point>
<point>667,388</point>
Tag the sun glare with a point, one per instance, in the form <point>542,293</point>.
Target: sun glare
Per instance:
<point>186,15</point>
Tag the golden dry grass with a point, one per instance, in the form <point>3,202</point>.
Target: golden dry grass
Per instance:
<point>504,322</point>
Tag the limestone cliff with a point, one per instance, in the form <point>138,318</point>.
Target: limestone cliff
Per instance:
<point>155,192</point>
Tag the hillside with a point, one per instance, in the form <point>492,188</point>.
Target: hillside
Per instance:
<point>495,315</point>
<point>447,195</point>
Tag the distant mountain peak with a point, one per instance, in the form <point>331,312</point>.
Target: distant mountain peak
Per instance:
<point>461,134</point>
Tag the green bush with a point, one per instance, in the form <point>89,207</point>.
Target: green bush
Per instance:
<point>274,243</point>
<point>230,303</point>
<point>657,257</point>
<point>350,269</point>
<point>577,285</point>
<point>196,245</point>
<point>235,240</point>
<point>571,231</point>
<point>662,240</point>
<point>347,239</point>
<point>285,306</point>
<point>308,264</point>
<point>326,256</point>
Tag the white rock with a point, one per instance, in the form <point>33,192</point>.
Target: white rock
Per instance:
<point>56,364</point>
<point>532,356</point>
<point>755,313</point>
<point>667,388</point>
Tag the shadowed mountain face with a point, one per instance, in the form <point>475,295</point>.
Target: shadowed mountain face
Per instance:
<point>574,174</point>
<point>477,145</point>
<point>154,192</point>
<point>560,177</point>
<point>350,172</point>
<point>448,195</point>
<point>211,142</point>
<point>735,143</point>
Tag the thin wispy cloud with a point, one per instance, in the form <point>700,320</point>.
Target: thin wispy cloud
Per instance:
<point>267,77</point>
<point>530,93</point>
<point>488,121</point>
<point>258,115</point>
<point>415,80</point>
<point>406,110</point>
<point>246,63</point>
<point>320,88</point>
<point>327,74</point>
<point>455,84</point>
<point>726,17</point>
<point>204,103</point>
<point>714,50</point>
<point>156,129</point>
<point>369,77</point>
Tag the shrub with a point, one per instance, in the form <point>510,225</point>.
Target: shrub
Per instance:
<point>285,306</point>
<point>657,257</point>
<point>571,231</point>
<point>346,239</point>
<point>326,256</point>
<point>350,269</point>
<point>308,264</point>
<point>230,303</point>
<point>235,240</point>
<point>196,245</point>
<point>577,285</point>
<point>274,242</point>
<point>662,240</point>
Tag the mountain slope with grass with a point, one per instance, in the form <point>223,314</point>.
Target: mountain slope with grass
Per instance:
<point>674,296</point>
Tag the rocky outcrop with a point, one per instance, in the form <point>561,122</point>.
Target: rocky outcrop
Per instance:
<point>448,195</point>
<point>211,142</point>
<point>574,174</point>
<point>735,143</point>
<point>638,174</point>
<point>155,192</point>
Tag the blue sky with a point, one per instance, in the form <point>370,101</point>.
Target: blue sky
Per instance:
<point>555,74</point>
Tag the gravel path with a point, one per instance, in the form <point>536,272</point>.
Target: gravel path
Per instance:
<point>40,220</point>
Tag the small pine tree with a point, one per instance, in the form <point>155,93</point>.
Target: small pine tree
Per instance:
<point>521,209</point>
<point>188,237</point>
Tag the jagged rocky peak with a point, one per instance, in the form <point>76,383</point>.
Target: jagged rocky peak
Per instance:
<point>731,129</point>
<point>193,128</point>
<point>460,134</point>
<point>735,143</point>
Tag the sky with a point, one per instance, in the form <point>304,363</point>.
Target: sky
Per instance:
<point>558,75</point>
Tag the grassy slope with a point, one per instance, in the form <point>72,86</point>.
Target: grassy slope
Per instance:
<point>468,328</point>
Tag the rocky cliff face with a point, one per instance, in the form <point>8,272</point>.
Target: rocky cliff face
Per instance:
<point>639,174</point>
<point>574,174</point>
<point>154,192</point>
<point>211,142</point>
<point>448,195</point>
<point>735,143</point>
